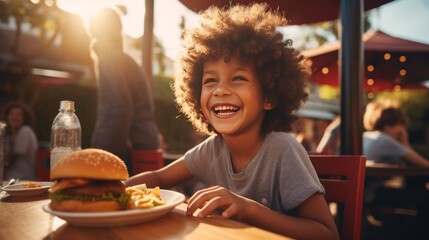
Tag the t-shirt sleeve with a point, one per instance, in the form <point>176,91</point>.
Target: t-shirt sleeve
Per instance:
<point>390,150</point>
<point>299,180</point>
<point>197,159</point>
<point>395,148</point>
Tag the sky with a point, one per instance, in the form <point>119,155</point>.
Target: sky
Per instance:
<point>407,19</point>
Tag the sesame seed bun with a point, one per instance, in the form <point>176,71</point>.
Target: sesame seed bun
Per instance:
<point>90,163</point>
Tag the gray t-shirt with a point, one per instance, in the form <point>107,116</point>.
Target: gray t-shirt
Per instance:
<point>280,176</point>
<point>382,148</point>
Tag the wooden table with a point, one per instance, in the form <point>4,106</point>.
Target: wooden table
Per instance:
<point>380,169</point>
<point>398,176</point>
<point>23,218</point>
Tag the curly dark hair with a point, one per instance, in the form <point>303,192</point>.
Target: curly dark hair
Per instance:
<point>246,33</point>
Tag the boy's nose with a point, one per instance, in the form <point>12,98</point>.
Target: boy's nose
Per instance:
<point>222,89</point>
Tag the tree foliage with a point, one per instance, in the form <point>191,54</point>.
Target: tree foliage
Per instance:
<point>317,34</point>
<point>42,16</point>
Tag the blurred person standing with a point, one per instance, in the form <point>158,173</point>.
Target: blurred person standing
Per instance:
<point>125,114</point>
<point>21,142</point>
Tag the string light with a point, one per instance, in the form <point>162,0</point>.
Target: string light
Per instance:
<point>370,68</point>
<point>403,72</point>
<point>387,56</point>
<point>370,81</point>
<point>325,70</point>
<point>397,88</point>
<point>402,58</point>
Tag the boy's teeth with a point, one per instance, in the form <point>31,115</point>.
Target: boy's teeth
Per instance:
<point>224,108</point>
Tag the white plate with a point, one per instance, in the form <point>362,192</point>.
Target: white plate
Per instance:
<point>19,190</point>
<point>120,218</point>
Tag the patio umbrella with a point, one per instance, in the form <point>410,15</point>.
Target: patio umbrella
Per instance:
<point>390,63</point>
<point>297,11</point>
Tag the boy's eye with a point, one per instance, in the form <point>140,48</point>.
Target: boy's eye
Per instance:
<point>239,78</point>
<point>208,80</point>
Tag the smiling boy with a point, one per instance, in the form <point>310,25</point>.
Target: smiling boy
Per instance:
<point>240,81</point>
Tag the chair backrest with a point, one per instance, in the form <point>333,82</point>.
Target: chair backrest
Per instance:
<point>43,164</point>
<point>343,178</point>
<point>146,160</point>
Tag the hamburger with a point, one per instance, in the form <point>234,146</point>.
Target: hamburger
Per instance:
<point>89,180</point>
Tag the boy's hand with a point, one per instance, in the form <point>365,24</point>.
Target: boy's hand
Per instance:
<point>210,199</point>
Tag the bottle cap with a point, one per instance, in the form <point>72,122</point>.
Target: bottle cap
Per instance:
<point>67,105</point>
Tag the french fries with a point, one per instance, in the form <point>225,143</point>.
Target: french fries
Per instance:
<point>32,185</point>
<point>141,197</point>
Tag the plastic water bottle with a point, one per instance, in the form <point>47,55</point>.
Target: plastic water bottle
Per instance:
<point>65,132</point>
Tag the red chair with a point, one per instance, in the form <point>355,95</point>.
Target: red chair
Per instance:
<point>43,164</point>
<point>146,160</point>
<point>343,178</point>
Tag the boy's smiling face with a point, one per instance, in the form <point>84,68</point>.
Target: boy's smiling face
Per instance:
<point>231,96</point>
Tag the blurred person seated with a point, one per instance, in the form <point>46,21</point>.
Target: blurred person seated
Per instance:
<point>21,142</point>
<point>386,141</point>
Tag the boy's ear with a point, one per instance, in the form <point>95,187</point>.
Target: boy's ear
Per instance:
<point>268,105</point>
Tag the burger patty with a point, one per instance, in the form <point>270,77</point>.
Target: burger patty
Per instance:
<point>97,188</point>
